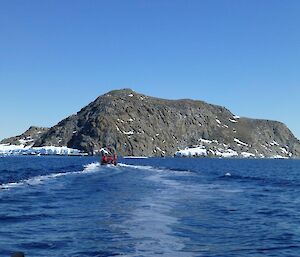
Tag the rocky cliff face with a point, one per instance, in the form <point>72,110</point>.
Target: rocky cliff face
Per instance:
<point>28,138</point>
<point>136,124</point>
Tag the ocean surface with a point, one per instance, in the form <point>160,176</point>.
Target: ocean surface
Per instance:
<point>71,206</point>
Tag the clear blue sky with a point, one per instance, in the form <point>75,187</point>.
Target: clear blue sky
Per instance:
<point>56,56</point>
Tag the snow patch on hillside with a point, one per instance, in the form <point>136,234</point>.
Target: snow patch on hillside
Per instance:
<point>239,142</point>
<point>128,132</point>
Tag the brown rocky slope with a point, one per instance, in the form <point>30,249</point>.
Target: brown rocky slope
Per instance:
<point>140,125</point>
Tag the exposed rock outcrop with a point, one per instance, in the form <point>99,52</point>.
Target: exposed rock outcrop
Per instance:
<point>136,124</point>
<point>28,138</point>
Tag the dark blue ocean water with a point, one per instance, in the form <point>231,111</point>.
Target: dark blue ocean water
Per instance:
<point>70,206</point>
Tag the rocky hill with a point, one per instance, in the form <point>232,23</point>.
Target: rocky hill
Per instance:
<point>28,138</point>
<point>136,124</point>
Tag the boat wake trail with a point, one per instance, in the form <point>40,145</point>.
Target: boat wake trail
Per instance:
<point>36,180</point>
<point>155,169</point>
<point>89,168</point>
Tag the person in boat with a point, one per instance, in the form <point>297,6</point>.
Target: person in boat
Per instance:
<point>107,157</point>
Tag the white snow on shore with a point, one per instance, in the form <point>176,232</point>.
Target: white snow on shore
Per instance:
<point>200,151</point>
<point>279,157</point>
<point>188,152</point>
<point>6,149</point>
<point>228,153</point>
<point>247,155</point>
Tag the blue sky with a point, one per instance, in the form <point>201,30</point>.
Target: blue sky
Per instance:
<point>57,56</point>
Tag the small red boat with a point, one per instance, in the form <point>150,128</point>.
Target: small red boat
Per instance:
<point>107,157</point>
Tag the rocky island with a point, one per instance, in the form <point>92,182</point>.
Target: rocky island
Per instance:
<point>140,125</point>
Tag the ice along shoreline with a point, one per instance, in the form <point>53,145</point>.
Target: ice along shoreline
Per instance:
<point>6,149</point>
